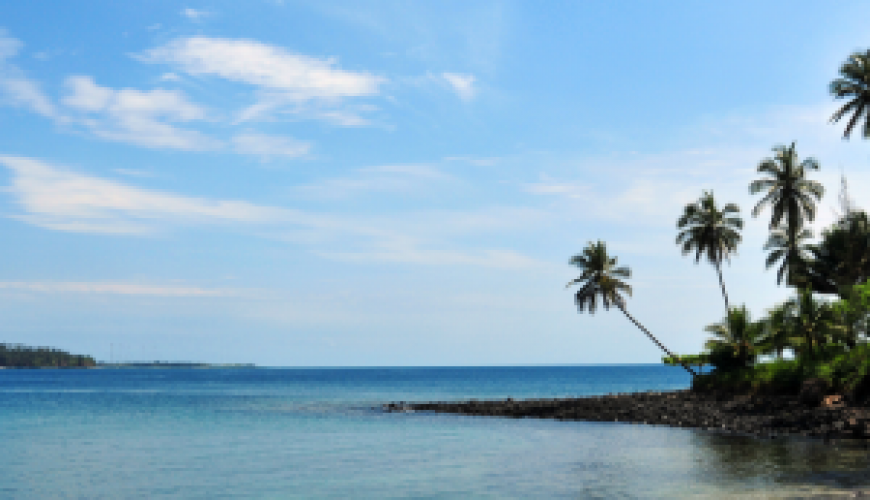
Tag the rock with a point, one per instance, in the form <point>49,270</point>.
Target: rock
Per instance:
<point>833,401</point>
<point>812,392</point>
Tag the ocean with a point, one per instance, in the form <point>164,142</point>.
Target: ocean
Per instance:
<point>319,433</point>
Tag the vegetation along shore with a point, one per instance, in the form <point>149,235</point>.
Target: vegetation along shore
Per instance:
<point>802,369</point>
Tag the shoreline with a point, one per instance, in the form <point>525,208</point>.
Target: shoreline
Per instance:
<point>761,416</point>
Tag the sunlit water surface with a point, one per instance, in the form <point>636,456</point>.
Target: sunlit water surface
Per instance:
<point>313,433</point>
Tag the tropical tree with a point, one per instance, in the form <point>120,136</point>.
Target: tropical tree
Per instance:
<point>779,329</point>
<point>790,195</point>
<point>600,279</point>
<point>793,263</point>
<point>815,321</point>
<point>854,83</point>
<point>853,313</point>
<point>842,258</point>
<point>708,231</point>
<point>737,335</point>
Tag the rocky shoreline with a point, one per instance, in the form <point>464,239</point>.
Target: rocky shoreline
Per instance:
<point>756,415</point>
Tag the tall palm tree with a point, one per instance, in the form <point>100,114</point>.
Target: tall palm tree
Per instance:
<point>739,333</point>
<point>854,82</point>
<point>790,195</point>
<point>711,232</point>
<point>600,279</point>
<point>792,263</point>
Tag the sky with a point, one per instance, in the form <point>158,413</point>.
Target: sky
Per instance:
<point>309,183</point>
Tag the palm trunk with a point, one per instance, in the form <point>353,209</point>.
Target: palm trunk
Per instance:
<point>722,284</point>
<point>655,340</point>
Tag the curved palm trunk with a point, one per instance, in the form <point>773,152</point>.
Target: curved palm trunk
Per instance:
<point>722,284</point>
<point>655,340</point>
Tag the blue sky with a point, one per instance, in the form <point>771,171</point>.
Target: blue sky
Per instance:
<point>394,183</point>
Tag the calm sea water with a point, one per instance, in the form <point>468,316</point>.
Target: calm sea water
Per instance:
<point>312,433</point>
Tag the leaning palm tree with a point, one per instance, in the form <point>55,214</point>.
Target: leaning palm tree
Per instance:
<point>711,232</point>
<point>600,279</point>
<point>790,195</point>
<point>793,263</point>
<point>854,82</point>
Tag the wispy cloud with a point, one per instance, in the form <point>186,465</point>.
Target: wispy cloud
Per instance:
<point>195,15</point>
<point>381,179</point>
<point>408,252</point>
<point>60,199</point>
<point>267,146</point>
<point>114,288</point>
<point>463,85</point>
<point>281,78</point>
<point>139,117</point>
<point>16,88</point>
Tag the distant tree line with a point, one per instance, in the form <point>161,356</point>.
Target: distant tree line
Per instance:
<point>20,356</point>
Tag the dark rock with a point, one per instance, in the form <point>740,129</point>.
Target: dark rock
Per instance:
<point>813,392</point>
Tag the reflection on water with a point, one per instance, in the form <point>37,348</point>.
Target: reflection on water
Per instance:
<point>793,464</point>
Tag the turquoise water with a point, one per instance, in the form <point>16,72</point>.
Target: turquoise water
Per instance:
<point>313,433</point>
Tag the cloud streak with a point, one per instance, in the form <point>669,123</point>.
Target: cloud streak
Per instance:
<point>59,199</point>
<point>283,80</point>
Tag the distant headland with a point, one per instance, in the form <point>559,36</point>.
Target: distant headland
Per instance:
<point>21,356</point>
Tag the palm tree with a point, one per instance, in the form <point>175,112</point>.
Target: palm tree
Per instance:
<point>737,333</point>
<point>792,263</point>
<point>790,195</point>
<point>600,279</point>
<point>815,321</point>
<point>854,82</point>
<point>779,329</point>
<point>711,232</point>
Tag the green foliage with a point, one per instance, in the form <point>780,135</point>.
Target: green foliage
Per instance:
<point>854,83</point>
<point>19,356</point>
<point>708,231</point>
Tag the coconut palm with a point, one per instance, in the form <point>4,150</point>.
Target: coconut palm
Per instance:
<point>737,333</point>
<point>790,195</point>
<point>779,329</point>
<point>600,279</point>
<point>854,82</point>
<point>710,232</point>
<point>815,321</point>
<point>792,263</point>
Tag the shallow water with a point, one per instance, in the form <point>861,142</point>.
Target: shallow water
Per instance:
<point>317,433</point>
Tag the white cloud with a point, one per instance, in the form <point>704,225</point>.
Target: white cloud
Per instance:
<point>284,81</point>
<point>15,87</point>
<point>137,117</point>
<point>59,199</point>
<point>114,288</point>
<point>195,15</point>
<point>9,46</point>
<point>463,85</point>
<point>270,145</point>
<point>266,66</point>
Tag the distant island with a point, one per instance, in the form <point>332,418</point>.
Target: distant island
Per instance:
<point>21,356</point>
